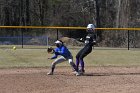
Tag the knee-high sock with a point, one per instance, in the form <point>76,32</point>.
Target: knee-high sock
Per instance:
<point>77,62</point>
<point>52,68</point>
<point>73,66</point>
<point>82,64</point>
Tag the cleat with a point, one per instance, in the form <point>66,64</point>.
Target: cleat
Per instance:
<point>78,74</point>
<point>82,71</point>
<point>50,73</point>
<point>74,72</point>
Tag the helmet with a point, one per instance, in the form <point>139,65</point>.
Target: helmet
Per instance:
<point>90,26</point>
<point>58,43</point>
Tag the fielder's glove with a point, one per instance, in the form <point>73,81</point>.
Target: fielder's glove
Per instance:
<point>50,50</point>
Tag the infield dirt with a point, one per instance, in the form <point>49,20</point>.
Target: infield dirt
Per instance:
<point>95,80</point>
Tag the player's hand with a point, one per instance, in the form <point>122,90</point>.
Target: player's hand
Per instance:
<point>81,39</point>
<point>49,58</point>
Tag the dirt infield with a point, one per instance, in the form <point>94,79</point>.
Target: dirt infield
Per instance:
<point>95,80</point>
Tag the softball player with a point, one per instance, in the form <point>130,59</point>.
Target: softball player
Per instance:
<point>89,42</point>
<point>64,55</point>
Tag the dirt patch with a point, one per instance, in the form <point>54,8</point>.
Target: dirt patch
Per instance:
<point>95,80</point>
<point>71,41</point>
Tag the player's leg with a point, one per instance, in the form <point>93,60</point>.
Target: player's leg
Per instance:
<point>82,63</point>
<point>78,58</point>
<point>77,61</point>
<point>84,53</point>
<point>70,60</point>
<point>57,61</point>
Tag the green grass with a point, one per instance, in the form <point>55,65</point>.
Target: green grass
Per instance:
<point>38,58</point>
<point>114,57</point>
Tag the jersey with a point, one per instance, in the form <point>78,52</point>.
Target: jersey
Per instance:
<point>90,40</point>
<point>63,51</point>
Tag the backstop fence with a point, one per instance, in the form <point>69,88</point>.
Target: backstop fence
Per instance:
<point>42,36</point>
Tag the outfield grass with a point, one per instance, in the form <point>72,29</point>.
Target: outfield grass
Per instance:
<point>38,57</point>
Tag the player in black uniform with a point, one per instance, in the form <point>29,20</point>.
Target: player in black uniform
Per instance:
<point>89,43</point>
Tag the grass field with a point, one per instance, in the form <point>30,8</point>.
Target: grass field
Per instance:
<point>38,57</point>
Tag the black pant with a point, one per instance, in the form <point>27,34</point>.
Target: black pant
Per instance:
<point>81,54</point>
<point>84,52</point>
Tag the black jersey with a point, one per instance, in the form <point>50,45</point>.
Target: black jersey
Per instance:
<point>90,39</point>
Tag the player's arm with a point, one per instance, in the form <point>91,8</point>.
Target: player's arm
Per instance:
<point>94,39</point>
<point>53,57</point>
<point>82,39</point>
<point>55,51</point>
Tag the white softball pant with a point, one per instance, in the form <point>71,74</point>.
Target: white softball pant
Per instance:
<point>62,59</point>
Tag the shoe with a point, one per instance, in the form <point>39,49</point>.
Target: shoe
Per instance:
<point>78,74</point>
<point>81,71</point>
<point>50,73</point>
<point>74,72</point>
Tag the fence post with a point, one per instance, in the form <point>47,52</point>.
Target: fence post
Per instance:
<point>22,37</point>
<point>128,39</point>
<point>57,34</point>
